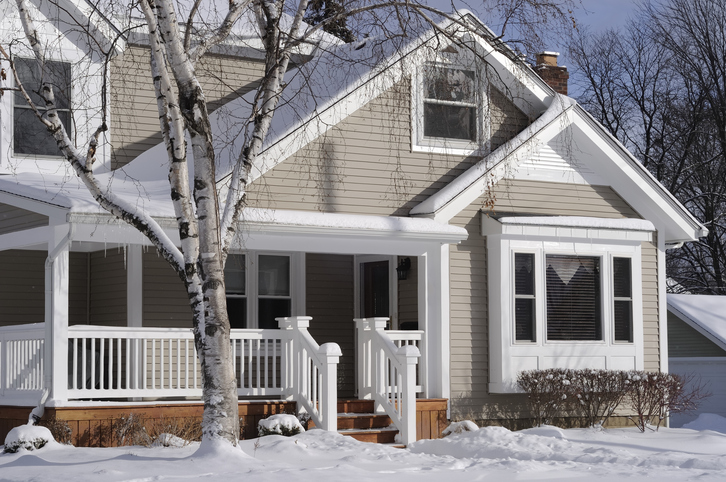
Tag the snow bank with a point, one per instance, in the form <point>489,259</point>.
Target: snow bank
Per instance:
<point>460,427</point>
<point>28,437</point>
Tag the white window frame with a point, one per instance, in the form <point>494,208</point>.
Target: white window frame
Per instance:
<point>421,143</point>
<point>297,283</point>
<point>508,356</point>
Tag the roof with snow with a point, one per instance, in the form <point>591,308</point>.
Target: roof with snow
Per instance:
<point>704,313</point>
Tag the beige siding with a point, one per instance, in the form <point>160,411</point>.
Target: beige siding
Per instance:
<point>506,119</point>
<point>78,288</point>
<point>651,326</point>
<point>408,295</point>
<point>22,287</point>
<point>330,302</point>
<point>469,310</point>
<point>365,164</point>
<point>16,219</point>
<point>108,288</point>
<point>537,197</point>
<point>685,341</point>
<point>165,299</point>
<point>135,122</point>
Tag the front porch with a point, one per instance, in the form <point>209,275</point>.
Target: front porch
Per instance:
<point>153,372</point>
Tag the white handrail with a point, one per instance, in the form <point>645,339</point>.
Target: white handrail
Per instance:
<point>21,359</point>
<point>312,372</point>
<point>387,374</point>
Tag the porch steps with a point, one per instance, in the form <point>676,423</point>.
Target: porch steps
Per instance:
<point>356,419</point>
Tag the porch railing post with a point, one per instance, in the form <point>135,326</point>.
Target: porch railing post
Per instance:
<point>408,356</point>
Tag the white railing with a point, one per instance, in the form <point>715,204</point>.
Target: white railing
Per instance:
<point>21,359</point>
<point>387,374</point>
<point>311,372</point>
<point>411,338</point>
<point>120,362</point>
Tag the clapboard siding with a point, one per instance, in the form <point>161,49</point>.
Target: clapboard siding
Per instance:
<point>165,300</point>
<point>15,219</point>
<point>108,288</point>
<point>330,302</point>
<point>135,118</point>
<point>22,287</point>
<point>562,199</point>
<point>79,287</point>
<point>685,341</point>
<point>365,165</point>
<point>651,321</point>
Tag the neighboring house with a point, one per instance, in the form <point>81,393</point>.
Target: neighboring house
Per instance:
<point>491,220</point>
<point>697,347</point>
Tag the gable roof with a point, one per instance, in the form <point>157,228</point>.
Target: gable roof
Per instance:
<point>704,313</point>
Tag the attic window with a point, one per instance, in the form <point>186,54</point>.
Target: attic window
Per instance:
<point>450,103</point>
<point>29,135</point>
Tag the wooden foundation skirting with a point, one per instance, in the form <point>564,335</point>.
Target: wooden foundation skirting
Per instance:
<point>97,426</point>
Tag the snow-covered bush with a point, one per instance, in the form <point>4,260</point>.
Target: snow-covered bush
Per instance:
<point>598,393</point>
<point>280,424</point>
<point>550,393</point>
<point>653,395</point>
<point>27,437</point>
<point>59,429</point>
<point>460,427</point>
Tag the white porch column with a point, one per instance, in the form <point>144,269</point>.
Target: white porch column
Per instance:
<point>134,286</point>
<point>433,309</point>
<point>56,312</point>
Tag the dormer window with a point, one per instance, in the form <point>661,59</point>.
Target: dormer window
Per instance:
<point>449,105</point>
<point>29,135</point>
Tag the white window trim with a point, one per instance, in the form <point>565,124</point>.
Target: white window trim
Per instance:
<point>419,143</point>
<point>297,283</point>
<point>507,356</point>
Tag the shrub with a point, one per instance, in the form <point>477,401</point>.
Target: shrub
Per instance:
<point>549,393</point>
<point>59,429</point>
<point>280,424</point>
<point>138,429</point>
<point>27,437</point>
<point>599,393</point>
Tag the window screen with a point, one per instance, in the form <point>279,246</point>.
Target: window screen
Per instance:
<point>524,299</point>
<point>450,103</point>
<point>573,298</point>
<point>623,300</point>
<point>30,136</point>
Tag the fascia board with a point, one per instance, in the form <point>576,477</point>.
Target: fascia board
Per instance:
<point>56,213</point>
<point>23,239</point>
<point>697,326</point>
<point>638,186</point>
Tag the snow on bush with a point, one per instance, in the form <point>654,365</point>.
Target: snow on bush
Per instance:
<point>280,424</point>
<point>460,427</point>
<point>27,437</point>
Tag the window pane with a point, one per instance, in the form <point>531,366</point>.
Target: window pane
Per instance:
<point>454,85</point>
<point>30,136</point>
<point>573,298</point>
<point>58,74</point>
<point>449,121</point>
<point>237,311</point>
<point>524,315</point>
<point>524,273</point>
<point>624,320</point>
<point>274,276</point>
<point>234,274</point>
<point>622,277</point>
<point>271,308</point>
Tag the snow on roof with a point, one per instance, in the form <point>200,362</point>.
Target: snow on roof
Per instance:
<point>438,200</point>
<point>705,313</point>
<point>580,222</point>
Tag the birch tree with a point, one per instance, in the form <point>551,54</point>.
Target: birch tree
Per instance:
<point>207,220</point>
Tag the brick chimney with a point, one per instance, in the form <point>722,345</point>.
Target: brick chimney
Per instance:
<point>551,73</point>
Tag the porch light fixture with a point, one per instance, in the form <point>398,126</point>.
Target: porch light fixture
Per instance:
<point>404,266</point>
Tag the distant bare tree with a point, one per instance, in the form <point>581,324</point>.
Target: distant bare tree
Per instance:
<point>659,86</point>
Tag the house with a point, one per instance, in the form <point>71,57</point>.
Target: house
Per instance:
<point>697,348</point>
<point>427,219</point>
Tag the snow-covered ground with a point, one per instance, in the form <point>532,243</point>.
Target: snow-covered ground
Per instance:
<point>489,454</point>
